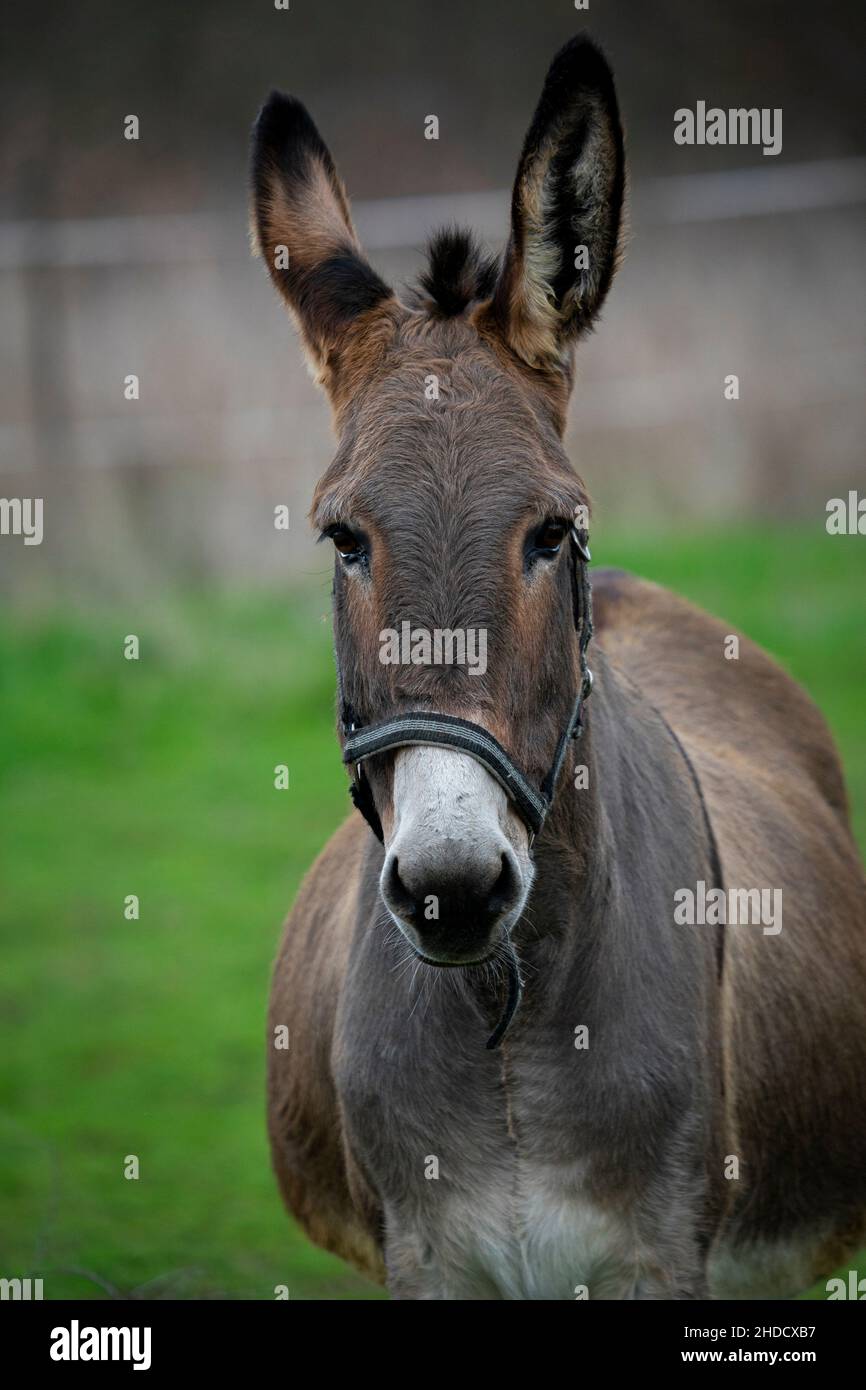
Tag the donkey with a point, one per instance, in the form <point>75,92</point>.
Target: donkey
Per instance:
<point>673,1110</point>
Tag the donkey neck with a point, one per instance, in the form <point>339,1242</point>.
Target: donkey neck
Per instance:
<point>627,826</point>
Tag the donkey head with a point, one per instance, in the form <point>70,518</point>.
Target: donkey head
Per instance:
<point>450,497</point>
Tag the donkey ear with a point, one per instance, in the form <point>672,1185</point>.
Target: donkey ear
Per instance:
<point>303,229</point>
<point>565,211</point>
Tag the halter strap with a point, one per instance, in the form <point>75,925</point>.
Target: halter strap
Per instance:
<point>424,727</point>
<point>427,727</point>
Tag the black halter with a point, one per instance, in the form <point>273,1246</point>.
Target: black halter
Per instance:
<point>426,727</point>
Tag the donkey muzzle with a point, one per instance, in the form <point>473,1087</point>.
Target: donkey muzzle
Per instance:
<point>457,868</point>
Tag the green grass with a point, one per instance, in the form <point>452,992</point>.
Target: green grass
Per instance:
<point>156,778</point>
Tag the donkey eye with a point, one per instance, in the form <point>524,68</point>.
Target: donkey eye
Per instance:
<point>546,540</point>
<point>348,547</point>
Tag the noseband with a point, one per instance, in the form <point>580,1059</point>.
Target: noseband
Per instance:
<point>417,727</point>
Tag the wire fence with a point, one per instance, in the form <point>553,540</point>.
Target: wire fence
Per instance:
<point>757,272</point>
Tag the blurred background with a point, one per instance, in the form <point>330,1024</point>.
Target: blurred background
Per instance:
<point>155,777</point>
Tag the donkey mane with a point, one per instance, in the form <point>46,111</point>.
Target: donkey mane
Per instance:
<point>458,273</point>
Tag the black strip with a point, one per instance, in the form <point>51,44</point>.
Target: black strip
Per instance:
<point>548,786</point>
<point>424,727</point>
<point>715,858</point>
<point>359,791</point>
<point>512,1002</point>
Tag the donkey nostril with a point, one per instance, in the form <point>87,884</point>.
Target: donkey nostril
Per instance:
<point>397,894</point>
<point>506,889</point>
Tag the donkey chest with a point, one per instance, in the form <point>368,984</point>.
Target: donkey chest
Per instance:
<point>473,1213</point>
<point>489,1177</point>
<point>528,1232</point>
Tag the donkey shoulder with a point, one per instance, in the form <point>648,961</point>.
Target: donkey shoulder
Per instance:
<point>716,693</point>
